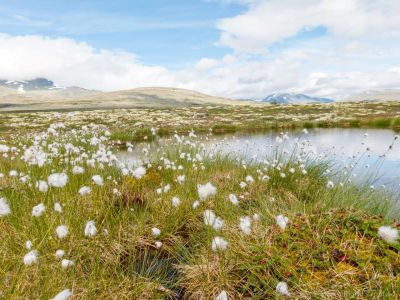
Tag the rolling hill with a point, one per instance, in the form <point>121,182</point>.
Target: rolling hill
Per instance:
<point>41,94</point>
<point>380,95</point>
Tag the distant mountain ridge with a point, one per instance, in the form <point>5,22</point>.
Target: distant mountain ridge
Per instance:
<point>43,94</point>
<point>291,98</point>
<point>377,95</point>
<point>29,85</point>
<point>38,89</point>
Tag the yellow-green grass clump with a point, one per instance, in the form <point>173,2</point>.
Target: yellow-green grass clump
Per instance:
<point>185,225</point>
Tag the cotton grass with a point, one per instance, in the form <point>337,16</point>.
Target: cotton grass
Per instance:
<point>63,295</point>
<point>210,219</point>
<point>4,207</point>
<point>62,231</point>
<point>58,180</point>
<point>31,258</point>
<point>388,234</point>
<point>219,244</point>
<point>90,229</point>
<point>282,289</point>
<point>206,190</point>
<point>192,243</point>
<point>38,210</point>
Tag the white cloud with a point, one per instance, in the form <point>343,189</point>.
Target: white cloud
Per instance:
<point>342,84</point>
<point>206,63</point>
<point>326,67</point>
<point>270,21</point>
<point>69,62</point>
<point>73,63</point>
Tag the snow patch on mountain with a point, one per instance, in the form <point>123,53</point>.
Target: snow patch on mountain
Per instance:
<point>292,98</point>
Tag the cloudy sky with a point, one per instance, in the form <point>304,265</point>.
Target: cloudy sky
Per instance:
<point>232,48</point>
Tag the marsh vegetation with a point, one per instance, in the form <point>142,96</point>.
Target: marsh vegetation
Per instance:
<point>186,223</point>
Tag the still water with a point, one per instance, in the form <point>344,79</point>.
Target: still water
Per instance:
<point>368,155</point>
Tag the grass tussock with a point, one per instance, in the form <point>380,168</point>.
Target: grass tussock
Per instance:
<point>153,242</point>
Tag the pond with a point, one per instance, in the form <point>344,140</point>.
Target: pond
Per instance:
<point>369,155</point>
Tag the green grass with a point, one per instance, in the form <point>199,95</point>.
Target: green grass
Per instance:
<point>329,250</point>
<point>380,122</point>
<point>259,126</point>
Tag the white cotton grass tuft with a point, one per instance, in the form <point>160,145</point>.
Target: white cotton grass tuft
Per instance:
<point>222,296</point>
<point>139,172</point>
<point>234,200</point>
<point>265,178</point>
<point>13,173</point>
<point>31,258</point>
<point>57,180</point>
<point>4,148</point>
<point>388,234</point>
<point>60,253</point>
<point>330,184</point>
<point>167,188</point>
<point>282,221</point>
<point>28,245</point>
<point>198,157</point>
<point>62,231</point>
<point>158,244</point>
<point>66,263</point>
<point>206,191</point>
<point>4,207</point>
<point>282,289</point>
<point>97,179</point>
<point>38,210</point>
<point>155,231</point>
<point>249,179</point>
<point>90,229</point>
<point>85,190</point>
<point>78,170</point>
<point>218,243</point>
<point>180,179</point>
<point>245,225</point>
<point>176,201</point>
<point>63,295</point>
<point>210,219</point>
<point>42,186</point>
<point>58,207</point>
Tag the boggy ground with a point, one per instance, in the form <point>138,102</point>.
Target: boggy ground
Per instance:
<point>186,225</point>
<point>135,124</point>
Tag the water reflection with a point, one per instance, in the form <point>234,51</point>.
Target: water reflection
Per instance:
<point>372,154</point>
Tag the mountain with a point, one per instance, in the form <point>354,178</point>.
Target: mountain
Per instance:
<point>380,95</point>
<point>291,98</point>
<point>16,93</point>
<point>43,94</point>
<point>28,85</point>
<point>162,97</point>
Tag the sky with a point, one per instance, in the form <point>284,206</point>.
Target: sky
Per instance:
<point>232,48</point>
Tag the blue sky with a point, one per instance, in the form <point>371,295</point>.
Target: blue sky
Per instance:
<point>171,33</point>
<point>232,48</point>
